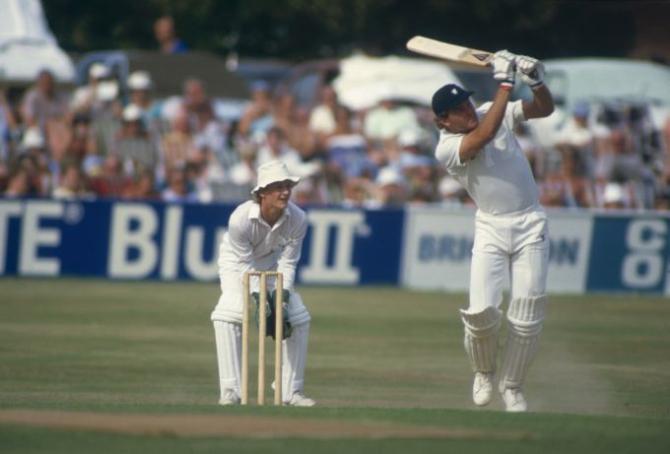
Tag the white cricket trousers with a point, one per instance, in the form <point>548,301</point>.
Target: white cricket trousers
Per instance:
<point>229,352</point>
<point>514,246</point>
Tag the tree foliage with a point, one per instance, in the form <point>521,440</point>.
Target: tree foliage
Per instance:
<point>299,29</point>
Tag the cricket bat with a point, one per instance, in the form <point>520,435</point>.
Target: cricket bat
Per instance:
<point>447,51</point>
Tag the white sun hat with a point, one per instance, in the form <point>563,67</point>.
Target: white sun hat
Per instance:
<point>272,172</point>
<point>139,80</point>
<point>131,113</point>
<point>614,193</point>
<point>99,71</point>
<point>390,175</point>
<point>107,90</point>
<point>33,138</point>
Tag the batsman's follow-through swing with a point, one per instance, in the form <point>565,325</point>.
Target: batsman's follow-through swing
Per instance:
<point>479,149</point>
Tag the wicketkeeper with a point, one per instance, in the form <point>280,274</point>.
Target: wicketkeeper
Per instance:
<point>478,147</point>
<point>264,234</point>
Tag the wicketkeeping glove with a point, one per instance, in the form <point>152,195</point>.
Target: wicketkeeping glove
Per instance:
<point>531,70</point>
<point>504,67</point>
<point>270,313</point>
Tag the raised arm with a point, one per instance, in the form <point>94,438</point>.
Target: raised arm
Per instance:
<point>503,71</point>
<point>531,71</point>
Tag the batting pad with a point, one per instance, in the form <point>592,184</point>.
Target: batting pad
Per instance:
<point>228,353</point>
<point>525,316</point>
<point>294,360</point>
<point>481,338</point>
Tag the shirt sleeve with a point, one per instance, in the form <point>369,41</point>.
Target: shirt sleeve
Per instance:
<point>447,150</point>
<point>514,114</point>
<point>239,236</point>
<point>291,254</point>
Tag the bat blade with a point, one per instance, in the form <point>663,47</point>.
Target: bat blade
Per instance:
<point>447,51</point>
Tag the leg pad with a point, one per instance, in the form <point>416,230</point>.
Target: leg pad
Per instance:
<point>481,338</point>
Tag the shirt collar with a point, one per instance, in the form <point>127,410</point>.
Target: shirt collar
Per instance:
<point>255,213</point>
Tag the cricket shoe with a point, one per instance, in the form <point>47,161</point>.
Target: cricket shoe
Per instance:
<point>300,400</point>
<point>514,400</point>
<point>482,388</point>
<point>229,397</point>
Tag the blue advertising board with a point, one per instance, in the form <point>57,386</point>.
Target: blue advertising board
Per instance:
<point>133,240</point>
<point>629,254</point>
<point>420,247</point>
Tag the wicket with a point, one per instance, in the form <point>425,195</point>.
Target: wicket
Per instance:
<point>279,331</point>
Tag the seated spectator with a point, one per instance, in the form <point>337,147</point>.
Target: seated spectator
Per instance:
<point>257,117</point>
<point>41,167</point>
<point>562,187</point>
<point>210,134</point>
<point>43,102</point>
<point>106,121</point>
<point>417,167</point>
<point>322,118</point>
<point>199,181</point>
<point>178,188</point>
<point>195,101</point>
<point>275,147</point>
<point>110,181</point>
<point>8,127</point>
<point>19,185</point>
<point>614,197</point>
<point>388,120</point>
<point>143,187</point>
<point>140,84</point>
<point>72,184</point>
<point>133,144</point>
<point>569,183</point>
<point>576,141</point>
<point>166,36</point>
<point>243,173</point>
<point>300,137</point>
<point>178,144</point>
<point>47,108</point>
<point>310,190</point>
<point>614,194</point>
<point>4,177</point>
<point>555,191</point>
<point>392,188</point>
<point>82,143</point>
<point>86,99</point>
<point>358,193</point>
<point>346,150</point>
<point>283,112</point>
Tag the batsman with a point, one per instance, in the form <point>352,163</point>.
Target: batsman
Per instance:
<point>264,234</point>
<point>478,147</point>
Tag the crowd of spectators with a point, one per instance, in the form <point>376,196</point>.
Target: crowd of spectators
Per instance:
<point>93,142</point>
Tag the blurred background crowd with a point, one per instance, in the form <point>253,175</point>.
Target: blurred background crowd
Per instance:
<point>112,138</point>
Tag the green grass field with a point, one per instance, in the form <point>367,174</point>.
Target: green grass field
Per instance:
<point>93,366</point>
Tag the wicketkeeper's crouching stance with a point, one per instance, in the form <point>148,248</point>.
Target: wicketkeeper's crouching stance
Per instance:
<point>264,234</point>
<point>478,147</point>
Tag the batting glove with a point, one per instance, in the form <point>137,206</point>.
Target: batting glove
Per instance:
<point>504,68</point>
<point>531,70</point>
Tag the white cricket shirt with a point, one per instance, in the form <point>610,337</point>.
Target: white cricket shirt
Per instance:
<point>251,244</point>
<point>499,178</point>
